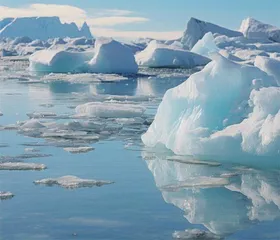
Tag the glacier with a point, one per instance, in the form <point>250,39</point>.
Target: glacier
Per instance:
<point>52,28</point>
<point>159,55</point>
<point>225,109</point>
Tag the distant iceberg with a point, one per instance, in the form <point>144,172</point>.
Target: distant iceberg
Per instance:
<point>32,28</point>
<point>196,29</point>
<point>158,55</point>
<point>254,29</point>
<point>225,109</point>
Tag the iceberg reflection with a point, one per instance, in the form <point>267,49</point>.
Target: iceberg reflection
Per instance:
<point>223,199</point>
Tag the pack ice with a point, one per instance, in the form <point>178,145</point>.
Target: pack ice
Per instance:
<point>225,109</point>
<point>158,55</point>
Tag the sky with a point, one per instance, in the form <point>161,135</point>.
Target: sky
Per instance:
<point>160,19</point>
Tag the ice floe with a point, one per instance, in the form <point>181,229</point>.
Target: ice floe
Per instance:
<point>6,195</point>
<point>195,234</point>
<point>21,166</point>
<point>72,182</point>
<point>78,149</point>
<point>109,110</point>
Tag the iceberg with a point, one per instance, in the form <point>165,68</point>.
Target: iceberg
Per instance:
<point>158,55</point>
<point>269,65</point>
<point>196,29</point>
<point>205,46</point>
<point>32,28</point>
<point>226,109</point>
<point>195,234</point>
<point>58,61</point>
<point>109,110</point>
<point>254,29</point>
<point>72,182</point>
<point>112,57</point>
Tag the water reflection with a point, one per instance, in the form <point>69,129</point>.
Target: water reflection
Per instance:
<point>67,87</point>
<point>250,196</point>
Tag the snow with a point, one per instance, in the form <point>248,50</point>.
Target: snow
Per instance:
<point>196,29</point>
<point>161,55</point>
<point>109,110</point>
<point>58,61</point>
<point>78,149</point>
<point>225,109</point>
<point>254,29</point>
<point>270,66</point>
<point>72,182</point>
<point>32,26</point>
<point>112,57</point>
<point>205,46</point>
<point>21,166</point>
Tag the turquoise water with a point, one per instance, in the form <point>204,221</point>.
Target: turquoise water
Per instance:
<point>150,197</point>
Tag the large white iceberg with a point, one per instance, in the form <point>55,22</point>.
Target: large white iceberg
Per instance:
<point>58,61</point>
<point>252,28</point>
<point>161,55</point>
<point>225,109</point>
<point>112,57</point>
<point>196,29</point>
<point>41,28</point>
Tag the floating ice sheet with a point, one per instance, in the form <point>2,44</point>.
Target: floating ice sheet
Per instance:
<point>21,166</point>
<point>78,149</point>
<point>6,195</point>
<point>109,110</point>
<point>72,182</point>
<point>192,160</point>
<point>195,234</point>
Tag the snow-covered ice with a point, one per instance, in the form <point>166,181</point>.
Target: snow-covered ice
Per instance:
<point>269,65</point>
<point>72,182</point>
<point>158,55</point>
<point>109,110</point>
<point>21,166</point>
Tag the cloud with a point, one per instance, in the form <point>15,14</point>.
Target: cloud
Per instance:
<point>100,21</point>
